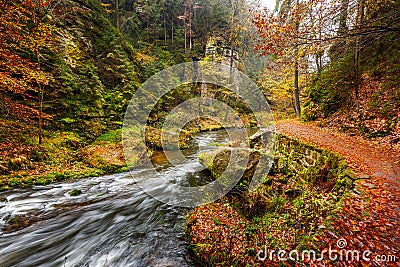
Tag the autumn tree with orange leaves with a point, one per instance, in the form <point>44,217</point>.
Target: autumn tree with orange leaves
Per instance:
<point>297,34</point>
<point>279,36</point>
<point>25,33</point>
<point>309,35</point>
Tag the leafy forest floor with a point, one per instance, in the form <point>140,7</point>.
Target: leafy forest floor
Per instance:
<point>371,219</point>
<point>364,220</point>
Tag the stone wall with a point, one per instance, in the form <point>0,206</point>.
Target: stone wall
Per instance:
<point>293,157</point>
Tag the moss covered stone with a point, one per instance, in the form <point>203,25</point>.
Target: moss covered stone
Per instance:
<point>305,188</point>
<point>75,192</point>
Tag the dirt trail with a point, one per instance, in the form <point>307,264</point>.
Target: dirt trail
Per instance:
<point>370,220</point>
<point>365,157</point>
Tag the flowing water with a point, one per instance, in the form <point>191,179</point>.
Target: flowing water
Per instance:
<point>112,223</point>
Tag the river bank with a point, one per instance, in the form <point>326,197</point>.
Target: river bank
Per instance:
<point>289,213</point>
<point>296,202</point>
<point>64,155</point>
<point>113,221</point>
<point>302,204</point>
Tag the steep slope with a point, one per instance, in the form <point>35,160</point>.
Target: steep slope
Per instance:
<point>95,71</point>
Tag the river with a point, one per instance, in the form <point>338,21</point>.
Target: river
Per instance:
<point>112,223</point>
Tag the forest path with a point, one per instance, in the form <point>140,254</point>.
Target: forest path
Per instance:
<point>363,156</point>
<point>370,219</point>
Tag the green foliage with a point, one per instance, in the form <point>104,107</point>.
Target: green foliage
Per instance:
<point>97,67</point>
<point>113,136</point>
<point>310,111</point>
<point>330,89</point>
<point>96,72</point>
<point>67,120</point>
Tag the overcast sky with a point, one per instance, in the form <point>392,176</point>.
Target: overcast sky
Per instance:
<point>269,3</point>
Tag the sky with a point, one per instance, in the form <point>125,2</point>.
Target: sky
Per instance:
<point>269,3</point>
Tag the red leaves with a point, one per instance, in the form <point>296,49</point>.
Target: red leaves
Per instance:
<point>371,232</point>
<point>278,33</point>
<point>370,221</point>
<point>23,35</point>
<point>216,231</point>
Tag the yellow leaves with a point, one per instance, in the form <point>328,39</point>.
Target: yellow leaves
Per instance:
<point>74,55</point>
<point>279,81</point>
<point>143,58</point>
<point>38,77</point>
<point>106,6</point>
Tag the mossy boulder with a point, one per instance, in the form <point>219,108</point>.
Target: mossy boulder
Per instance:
<point>158,140</point>
<point>317,166</point>
<point>75,192</point>
<point>217,162</point>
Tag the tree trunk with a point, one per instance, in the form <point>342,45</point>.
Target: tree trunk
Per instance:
<point>186,50</point>
<point>343,17</point>
<point>296,90</point>
<point>40,135</point>
<point>357,67</point>
<point>40,96</point>
<point>318,61</point>
<point>117,13</point>
<point>232,37</point>
<point>360,20</point>
<point>296,74</point>
<point>165,25</point>
<point>190,32</point>
<point>172,32</point>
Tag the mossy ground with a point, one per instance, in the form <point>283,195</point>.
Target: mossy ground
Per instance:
<point>65,155</point>
<point>288,211</point>
<point>221,234</point>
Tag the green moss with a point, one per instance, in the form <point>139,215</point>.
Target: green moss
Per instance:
<point>14,182</point>
<point>287,210</point>
<point>44,180</point>
<point>67,120</point>
<point>75,192</point>
<point>113,136</point>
